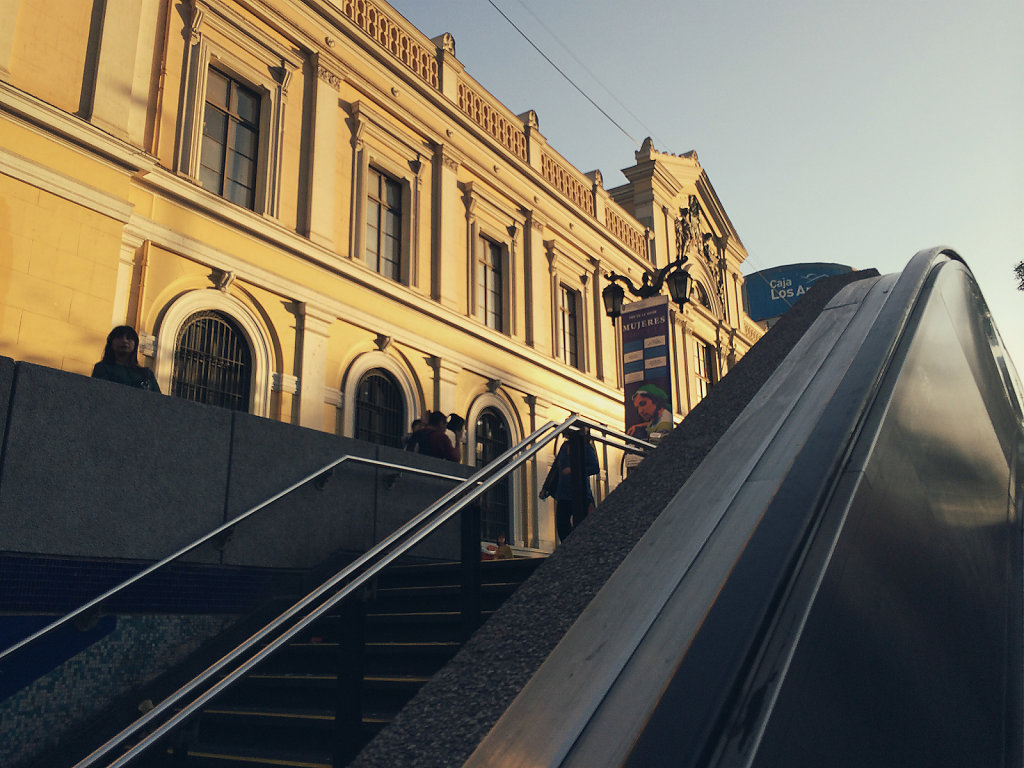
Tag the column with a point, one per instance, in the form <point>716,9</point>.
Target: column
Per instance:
<point>322,170</point>
<point>316,324</point>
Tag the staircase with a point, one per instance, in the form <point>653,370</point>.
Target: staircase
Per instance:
<point>319,700</point>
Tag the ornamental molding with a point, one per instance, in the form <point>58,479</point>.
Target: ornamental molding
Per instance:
<point>332,79</point>
<point>445,43</point>
<point>284,382</point>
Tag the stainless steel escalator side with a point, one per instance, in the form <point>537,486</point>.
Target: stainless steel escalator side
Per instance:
<point>682,656</point>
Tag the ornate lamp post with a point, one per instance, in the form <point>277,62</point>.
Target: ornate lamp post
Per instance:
<point>671,274</point>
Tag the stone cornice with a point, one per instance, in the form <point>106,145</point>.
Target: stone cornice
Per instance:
<point>70,189</point>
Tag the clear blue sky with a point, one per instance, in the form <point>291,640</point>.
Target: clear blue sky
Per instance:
<point>849,132</point>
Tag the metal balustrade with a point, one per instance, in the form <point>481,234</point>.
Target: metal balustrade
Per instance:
<point>191,697</point>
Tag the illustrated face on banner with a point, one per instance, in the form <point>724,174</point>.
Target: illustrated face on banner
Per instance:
<point>645,407</point>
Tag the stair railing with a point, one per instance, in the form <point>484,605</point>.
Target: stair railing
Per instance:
<point>96,602</point>
<point>322,599</point>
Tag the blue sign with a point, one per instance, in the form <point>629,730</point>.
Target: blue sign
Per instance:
<point>771,292</point>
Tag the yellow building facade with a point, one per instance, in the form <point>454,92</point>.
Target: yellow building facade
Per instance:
<point>310,211</point>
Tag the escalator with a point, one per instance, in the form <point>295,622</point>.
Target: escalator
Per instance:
<point>839,581</point>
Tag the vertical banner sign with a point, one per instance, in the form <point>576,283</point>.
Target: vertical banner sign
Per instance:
<point>647,368</point>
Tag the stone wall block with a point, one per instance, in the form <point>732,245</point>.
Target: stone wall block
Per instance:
<point>97,469</point>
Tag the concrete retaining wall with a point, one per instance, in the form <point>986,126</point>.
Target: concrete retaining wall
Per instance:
<point>95,469</point>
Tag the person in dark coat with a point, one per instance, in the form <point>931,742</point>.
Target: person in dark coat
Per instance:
<point>120,361</point>
<point>432,440</point>
<point>560,485</point>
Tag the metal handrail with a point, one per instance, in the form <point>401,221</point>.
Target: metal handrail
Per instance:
<point>366,566</point>
<point>96,601</point>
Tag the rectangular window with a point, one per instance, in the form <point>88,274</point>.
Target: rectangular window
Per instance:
<point>231,137</point>
<point>704,364</point>
<point>490,285</point>
<point>568,325</point>
<point>384,225</point>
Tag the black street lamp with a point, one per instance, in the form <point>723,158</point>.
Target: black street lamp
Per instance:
<point>671,274</point>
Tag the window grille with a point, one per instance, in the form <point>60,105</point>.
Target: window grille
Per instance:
<point>231,137</point>
<point>568,325</point>
<point>380,409</point>
<point>490,285</point>
<point>384,225</point>
<point>492,439</point>
<point>212,362</point>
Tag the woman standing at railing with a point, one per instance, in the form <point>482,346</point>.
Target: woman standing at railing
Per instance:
<point>120,361</point>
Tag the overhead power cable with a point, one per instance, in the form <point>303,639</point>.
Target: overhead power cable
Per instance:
<point>563,74</point>
<point>587,69</point>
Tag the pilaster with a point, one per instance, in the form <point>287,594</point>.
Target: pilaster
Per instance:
<point>446,377</point>
<point>446,249</point>
<point>602,324</point>
<point>685,367</point>
<point>130,244</point>
<point>9,13</point>
<point>123,68</point>
<point>535,142</point>
<point>541,533</point>
<point>322,171</point>
<point>449,68</point>
<point>315,326</point>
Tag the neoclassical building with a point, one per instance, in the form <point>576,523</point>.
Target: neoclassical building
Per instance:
<point>311,212</point>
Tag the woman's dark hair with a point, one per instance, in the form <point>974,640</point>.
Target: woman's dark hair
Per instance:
<point>121,330</point>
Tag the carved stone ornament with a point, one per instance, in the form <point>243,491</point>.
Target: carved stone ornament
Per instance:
<point>328,77</point>
<point>493,385</point>
<point>222,279</point>
<point>448,43</point>
<point>382,342</point>
<point>450,163</point>
<point>196,22</point>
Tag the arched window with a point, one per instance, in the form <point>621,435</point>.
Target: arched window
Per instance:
<point>380,409</point>
<point>492,440</point>
<point>701,294</point>
<point>212,362</point>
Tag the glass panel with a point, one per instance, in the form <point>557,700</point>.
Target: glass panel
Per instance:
<point>210,179</point>
<point>213,154</point>
<point>215,124</point>
<point>247,105</point>
<point>392,224</point>
<point>372,234</point>
<point>217,89</point>
<point>241,169</point>
<point>393,194</point>
<point>245,141</point>
<point>239,194</point>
